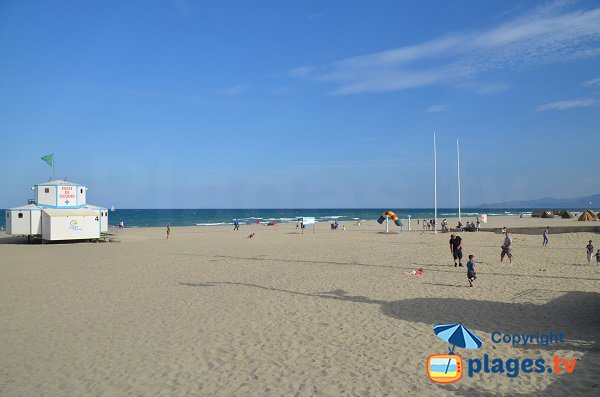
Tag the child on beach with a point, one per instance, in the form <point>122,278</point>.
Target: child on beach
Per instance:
<point>507,248</point>
<point>471,275</point>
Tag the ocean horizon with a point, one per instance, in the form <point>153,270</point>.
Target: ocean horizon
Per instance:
<point>216,217</point>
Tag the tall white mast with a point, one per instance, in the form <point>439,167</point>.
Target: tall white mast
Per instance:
<point>458,156</point>
<point>434,186</point>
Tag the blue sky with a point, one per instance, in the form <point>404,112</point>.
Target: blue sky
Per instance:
<point>216,104</point>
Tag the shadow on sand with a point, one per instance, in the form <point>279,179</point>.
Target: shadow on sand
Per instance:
<point>17,240</point>
<point>577,314</point>
<point>444,268</point>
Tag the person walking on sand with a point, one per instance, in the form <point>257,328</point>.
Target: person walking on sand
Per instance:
<point>598,257</point>
<point>546,233</point>
<point>168,230</point>
<point>507,248</point>
<point>456,249</point>
<point>471,275</point>
<point>589,251</point>
<point>236,225</point>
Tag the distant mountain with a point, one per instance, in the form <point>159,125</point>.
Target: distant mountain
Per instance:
<point>549,203</point>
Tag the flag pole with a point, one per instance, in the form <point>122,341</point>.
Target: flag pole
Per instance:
<point>458,156</point>
<point>434,186</point>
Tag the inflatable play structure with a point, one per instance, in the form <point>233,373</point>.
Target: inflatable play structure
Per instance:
<point>386,216</point>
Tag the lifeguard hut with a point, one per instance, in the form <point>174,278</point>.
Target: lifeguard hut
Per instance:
<point>58,211</point>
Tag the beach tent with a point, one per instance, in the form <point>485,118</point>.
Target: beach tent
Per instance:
<point>547,214</point>
<point>587,216</point>
<point>567,215</point>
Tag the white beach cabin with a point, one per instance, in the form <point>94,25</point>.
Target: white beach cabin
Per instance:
<point>58,211</point>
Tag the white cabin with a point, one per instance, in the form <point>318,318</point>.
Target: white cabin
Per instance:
<point>58,211</point>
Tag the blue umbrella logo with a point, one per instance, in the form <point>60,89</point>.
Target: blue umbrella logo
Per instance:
<point>457,335</point>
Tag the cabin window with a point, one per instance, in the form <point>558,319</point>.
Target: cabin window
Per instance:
<point>80,190</point>
<point>47,190</point>
<point>20,215</point>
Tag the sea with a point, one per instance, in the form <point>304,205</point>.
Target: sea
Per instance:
<point>216,217</point>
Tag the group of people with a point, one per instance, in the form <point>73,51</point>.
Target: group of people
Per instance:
<point>589,249</point>
<point>456,251</point>
<point>456,247</point>
<point>428,224</point>
<point>470,226</point>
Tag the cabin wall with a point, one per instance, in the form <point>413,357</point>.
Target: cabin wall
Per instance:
<point>19,222</point>
<point>45,195</point>
<point>75,227</point>
<point>104,221</point>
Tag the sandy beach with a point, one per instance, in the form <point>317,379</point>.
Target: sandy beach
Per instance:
<point>210,312</point>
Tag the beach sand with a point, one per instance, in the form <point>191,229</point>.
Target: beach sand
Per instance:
<point>211,312</point>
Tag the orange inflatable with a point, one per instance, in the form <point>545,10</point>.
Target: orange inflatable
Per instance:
<point>392,215</point>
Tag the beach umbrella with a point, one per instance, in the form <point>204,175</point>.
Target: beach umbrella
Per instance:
<point>457,335</point>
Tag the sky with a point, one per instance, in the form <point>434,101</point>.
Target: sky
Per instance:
<point>306,104</point>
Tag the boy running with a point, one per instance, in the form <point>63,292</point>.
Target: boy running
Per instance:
<point>471,270</point>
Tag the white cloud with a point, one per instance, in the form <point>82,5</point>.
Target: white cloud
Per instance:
<point>437,108</point>
<point>233,90</point>
<point>544,35</point>
<point>569,104</point>
<point>302,71</point>
<point>592,83</point>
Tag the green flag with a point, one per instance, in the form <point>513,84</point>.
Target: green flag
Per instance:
<point>49,158</point>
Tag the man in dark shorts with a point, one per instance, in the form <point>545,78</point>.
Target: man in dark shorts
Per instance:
<point>456,249</point>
